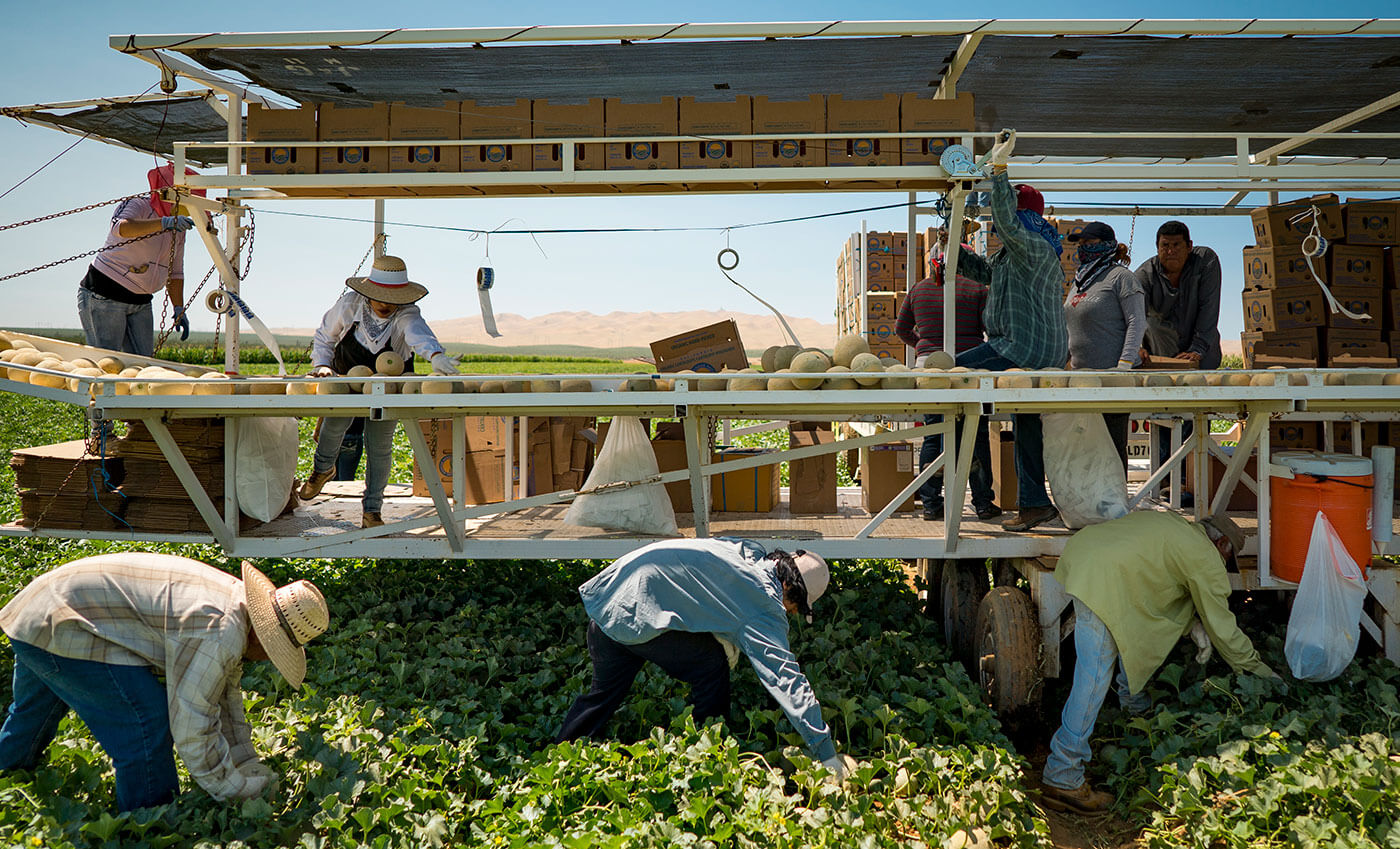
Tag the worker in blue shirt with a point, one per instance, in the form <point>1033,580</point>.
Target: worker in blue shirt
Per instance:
<point>692,606</point>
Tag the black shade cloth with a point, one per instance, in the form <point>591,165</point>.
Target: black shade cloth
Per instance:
<point>152,126</point>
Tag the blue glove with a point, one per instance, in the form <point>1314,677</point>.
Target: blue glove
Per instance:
<point>182,321</point>
<point>176,222</point>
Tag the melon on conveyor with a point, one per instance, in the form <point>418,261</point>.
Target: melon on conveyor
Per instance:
<point>867,363</point>
<point>1392,379</point>
<point>22,343</point>
<point>962,377</point>
<point>847,347</point>
<point>809,362</point>
<point>74,384</point>
<point>447,387</point>
<point>490,387</point>
<point>359,371</point>
<point>1158,380</point>
<point>1118,379</point>
<point>51,381</point>
<point>576,384</point>
<point>544,385</point>
<point>267,386</point>
<point>111,365</point>
<point>1053,381</point>
<point>23,357</point>
<point>782,360</point>
<point>898,376</point>
<point>755,383</point>
<point>780,384</point>
<point>82,362</point>
<point>214,383</point>
<point>714,384</point>
<point>838,378</point>
<point>1015,379</point>
<point>642,383</point>
<point>1236,380</point>
<point>768,362</point>
<point>299,387</point>
<point>388,363</point>
<point>1263,380</point>
<point>932,379</point>
<point>8,354</point>
<point>1084,381</point>
<point>1194,378</point>
<point>1365,377</point>
<point>940,360</point>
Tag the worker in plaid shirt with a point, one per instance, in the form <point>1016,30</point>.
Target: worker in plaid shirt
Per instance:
<point>97,635</point>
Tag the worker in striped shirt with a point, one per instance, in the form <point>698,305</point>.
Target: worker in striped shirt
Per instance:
<point>920,326</point>
<point>148,650</point>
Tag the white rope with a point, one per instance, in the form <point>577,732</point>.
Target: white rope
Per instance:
<point>1315,247</point>
<point>726,268</point>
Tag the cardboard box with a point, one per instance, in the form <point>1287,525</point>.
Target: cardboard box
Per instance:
<point>1273,228</point>
<point>568,120</point>
<point>1267,361</point>
<point>1356,362</point>
<point>886,243</point>
<point>1277,268</point>
<point>882,334</point>
<point>1391,265</point>
<point>1373,222</point>
<point>1392,309</point>
<point>1362,300</point>
<point>1241,500</point>
<point>927,115</point>
<point>1362,343</point>
<point>419,123</point>
<point>671,456</point>
<point>641,119</point>
<point>890,351</point>
<point>862,116</point>
<point>1294,436</point>
<point>1303,343</point>
<point>503,121</point>
<point>1353,265</point>
<point>725,118</point>
<point>484,472</point>
<point>1392,339</point>
<point>281,125</point>
<point>1003,442</point>
<point>708,348</point>
<point>812,480</point>
<point>883,306</point>
<point>353,124</point>
<point>752,490</point>
<point>1372,434</point>
<point>1284,309</point>
<point>792,119</point>
<point>885,470</point>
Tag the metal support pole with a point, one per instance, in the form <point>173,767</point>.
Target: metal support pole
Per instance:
<point>459,456</point>
<point>697,451</point>
<point>456,534</point>
<point>193,486</point>
<point>231,427</point>
<point>379,227</point>
<point>958,197</point>
<point>234,225</point>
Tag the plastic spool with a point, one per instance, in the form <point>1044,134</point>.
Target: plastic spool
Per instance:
<point>1383,496</point>
<point>1314,245</point>
<point>218,301</point>
<point>1339,485</point>
<point>485,277</point>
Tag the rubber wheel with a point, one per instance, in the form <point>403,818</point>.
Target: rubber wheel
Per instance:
<point>1008,654</point>
<point>960,591</point>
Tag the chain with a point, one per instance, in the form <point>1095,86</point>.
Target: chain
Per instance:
<point>4,227</point>
<point>377,239</point>
<point>1132,229</point>
<point>76,256</point>
<point>95,445</point>
<point>247,266</point>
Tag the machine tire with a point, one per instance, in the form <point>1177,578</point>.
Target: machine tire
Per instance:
<point>1008,654</point>
<point>960,591</point>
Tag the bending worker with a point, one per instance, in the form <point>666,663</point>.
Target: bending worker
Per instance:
<point>692,607</point>
<point>1137,583</point>
<point>143,255</point>
<point>377,316</point>
<point>148,649</point>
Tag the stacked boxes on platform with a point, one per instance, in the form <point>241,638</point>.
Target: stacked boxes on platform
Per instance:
<point>1286,315</point>
<point>560,449</point>
<point>881,284</point>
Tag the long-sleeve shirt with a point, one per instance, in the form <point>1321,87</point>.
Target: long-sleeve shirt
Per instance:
<point>1146,575</point>
<point>920,323</point>
<point>404,332</point>
<point>1106,320</point>
<point>1191,308</point>
<point>1025,284</point>
<point>142,267</point>
<point>185,619</point>
<point>711,586</point>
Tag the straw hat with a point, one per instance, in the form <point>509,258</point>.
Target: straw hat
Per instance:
<point>816,575</point>
<point>284,619</point>
<point>388,282</point>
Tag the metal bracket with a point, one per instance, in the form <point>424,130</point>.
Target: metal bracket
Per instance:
<point>376,414</point>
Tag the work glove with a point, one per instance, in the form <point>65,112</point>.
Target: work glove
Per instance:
<point>840,766</point>
<point>323,371</point>
<point>1199,636</point>
<point>1124,365</point>
<point>443,364</point>
<point>176,222</point>
<point>182,321</point>
<point>1001,151</point>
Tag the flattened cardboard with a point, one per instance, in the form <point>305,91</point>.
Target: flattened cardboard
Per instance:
<point>704,349</point>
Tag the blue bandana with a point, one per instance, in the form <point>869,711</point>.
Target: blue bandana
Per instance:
<point>1094,262</point>
<point>1035,223</point>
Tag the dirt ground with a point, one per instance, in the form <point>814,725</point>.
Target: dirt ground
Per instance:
<point>1072,831</point>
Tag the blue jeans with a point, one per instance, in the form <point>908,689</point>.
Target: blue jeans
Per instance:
<point>979,478</point>
<point>379,455</point>
<point>1030,439</point>
<point>116,325</point>
<point>347,462</point>
<point>697,659</point>
<point>123,706</point>
<point>1096,655</point>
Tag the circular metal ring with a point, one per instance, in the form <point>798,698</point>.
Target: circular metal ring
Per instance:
<point>731,252</point>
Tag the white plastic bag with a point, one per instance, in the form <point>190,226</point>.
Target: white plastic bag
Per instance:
<point>644,509</point>
<point>1326,620</point>
<point>267,464</point>
<point>1083,469</point>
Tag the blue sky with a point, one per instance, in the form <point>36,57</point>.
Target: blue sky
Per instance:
<point>58,51</point>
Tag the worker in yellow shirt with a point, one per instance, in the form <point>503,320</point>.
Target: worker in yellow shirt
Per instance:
<point>1138,584</point>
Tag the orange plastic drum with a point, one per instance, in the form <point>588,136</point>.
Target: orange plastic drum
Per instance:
<point>1337,484</point>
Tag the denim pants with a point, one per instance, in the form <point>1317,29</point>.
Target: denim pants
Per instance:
<point>115,325</point>
<point>696,659</point>
<point>347,462</point>
<point>124,707</point>
<point>979,479</point>
<point>379,455</point>
<point>1096,655</point>
<point>1030,439</point>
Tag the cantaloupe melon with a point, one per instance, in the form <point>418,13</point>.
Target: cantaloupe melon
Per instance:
<point>1158,380</point>
<point>489,387</point>
<point>1262,380</point>
<point>1237,380</point>
<point>898,376</point>
<point>939,360</point>
<point>111,365</point>
<point>1365,377</point>
<point>756,383</point>
<point>576,384</point>
<point>638,384</point>
<point>714,384</point>
<point>847,347</point>
<point>867,363</point>
<point>388,363</point>
<point>267,386</point>
<point>783,358</point>
<point>809,362</point>
<point>932,379</point>
<point>359,371</point>
<point>544,385</point>
<point>300,387</point>
<point>447,387</point>
<point>780,384</point>
<point>1193,379</point>
<point>82,362</point>
<point>769,360</point>
<point>74,384</point>
<point>1084,381</point>
<point>839,379</point>
<point>217,383</point>
<point>1391,379</point>
<point>1015,379</point>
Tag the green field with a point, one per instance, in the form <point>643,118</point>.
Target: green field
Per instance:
<point>431,703</point>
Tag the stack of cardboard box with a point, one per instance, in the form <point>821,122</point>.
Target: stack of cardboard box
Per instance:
<point>882,283</point>
<point>560,455</point>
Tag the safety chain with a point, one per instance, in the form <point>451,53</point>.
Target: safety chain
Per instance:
<point>4,227</point>
<point>94,445</point>
<point>1132,229</point>
<point>77,256</point>
<point>249,234</point>
<point>377,239</point>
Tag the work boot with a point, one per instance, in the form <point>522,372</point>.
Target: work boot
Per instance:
<point>1083,800</point>
<point>1028,517</point>
<point>987,511</point>
<point>933,512</point>
<point>314,483</point>
<point>370,519</point>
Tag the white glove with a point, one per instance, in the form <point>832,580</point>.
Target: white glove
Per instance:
<point>442,364</point>
<point>840,766</point>
<point>1124,365</point>
<point>1001,151</point>
<point>256,778</point>
<point>323,371</point>
<point>1201,639</point>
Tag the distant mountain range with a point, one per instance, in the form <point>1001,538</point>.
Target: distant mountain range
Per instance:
<point>617,329</point>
